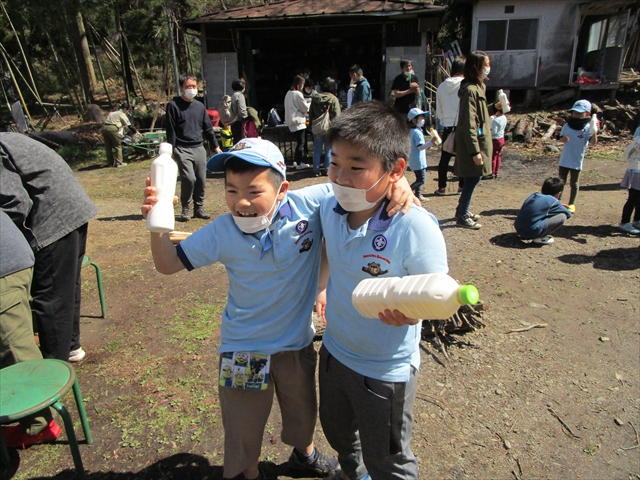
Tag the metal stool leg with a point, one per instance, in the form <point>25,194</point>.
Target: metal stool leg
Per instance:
<point>83,414</point>
<point>103,304</point>
<point>71,435</point>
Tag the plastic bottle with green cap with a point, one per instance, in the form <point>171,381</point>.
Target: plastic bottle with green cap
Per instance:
<point>434,296</point>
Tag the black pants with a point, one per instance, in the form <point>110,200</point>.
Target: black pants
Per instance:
<point>633,203</point>
<point>237,131</point>
<point>56,294</point>
<point>300,137</point>
<point>445,158</point>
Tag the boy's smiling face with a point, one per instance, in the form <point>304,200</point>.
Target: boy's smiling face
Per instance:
<point>251,193</point>
<point>353,167</point>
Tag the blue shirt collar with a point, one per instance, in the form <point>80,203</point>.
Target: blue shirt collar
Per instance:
<point>379,221</point>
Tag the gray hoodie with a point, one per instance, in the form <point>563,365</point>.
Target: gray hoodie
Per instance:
<point>447,101</point>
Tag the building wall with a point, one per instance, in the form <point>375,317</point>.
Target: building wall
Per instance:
<point>218,71</point>
<point>558,23</point>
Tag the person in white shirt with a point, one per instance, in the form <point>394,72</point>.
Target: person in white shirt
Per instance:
<point>498,124</point>
<point>447,103</point>
<point>295,115</point>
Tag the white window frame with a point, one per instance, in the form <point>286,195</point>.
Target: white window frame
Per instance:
<point>506,38</point>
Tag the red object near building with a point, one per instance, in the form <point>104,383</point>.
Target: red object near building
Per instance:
<point>214,116</point>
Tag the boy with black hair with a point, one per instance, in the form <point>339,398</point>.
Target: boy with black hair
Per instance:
<point>270,244</point>
<point>542,213</point>
<point>368,367</point>
<point>363,89</point>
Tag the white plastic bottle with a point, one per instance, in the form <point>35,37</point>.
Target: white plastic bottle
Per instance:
<point>502,98</point>
<point>593,124</point>
<point>434,296</point>
<point>434,136</point>
<point>164,172</point>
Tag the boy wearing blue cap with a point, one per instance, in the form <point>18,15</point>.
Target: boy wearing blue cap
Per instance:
<point>270,244</point>
<point>576,135</point>
<point>418,156</point>
<point>368,367</point>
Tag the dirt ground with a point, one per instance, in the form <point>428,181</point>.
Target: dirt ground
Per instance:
<point>562,401</point>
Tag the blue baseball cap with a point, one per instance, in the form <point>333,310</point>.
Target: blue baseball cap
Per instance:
<point>253,150</point>
<point>581,106</point>
<point>414,112</point>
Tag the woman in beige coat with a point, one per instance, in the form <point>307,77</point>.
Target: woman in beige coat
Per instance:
<point>473,134</point>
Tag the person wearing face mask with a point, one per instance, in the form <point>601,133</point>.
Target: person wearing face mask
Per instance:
<point>186,121</point>
<point>474,147</point>
<point>295,116</point>
<point>405,88</point>
<point>271,244</point>
<point>418,156</point>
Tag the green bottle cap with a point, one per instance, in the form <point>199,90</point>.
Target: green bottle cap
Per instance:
<point>468,295</point>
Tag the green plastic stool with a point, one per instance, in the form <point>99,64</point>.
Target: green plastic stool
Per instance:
<point>86,261</point>
<point>28,387</point>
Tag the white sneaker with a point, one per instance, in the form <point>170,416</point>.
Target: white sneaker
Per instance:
<point>548,240</point>
<point>628,228</point>
<point>77,355</point>
<point>302,166</point>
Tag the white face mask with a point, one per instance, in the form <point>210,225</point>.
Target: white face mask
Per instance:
<point>421,123</point>
<point>191,93</point>
<point>486,71</point>
<point>355,199</point>
<point>255,224</point>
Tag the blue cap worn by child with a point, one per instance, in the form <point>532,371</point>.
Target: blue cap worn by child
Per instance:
<point>581,106</point>
<point>414,112</point>
<point>253,150</point>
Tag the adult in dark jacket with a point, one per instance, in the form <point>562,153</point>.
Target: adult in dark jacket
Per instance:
<point>43,198</point>
<point>186,120</point>
<point>320,103</point>
<point>16,329</point>
<point>473,134</point>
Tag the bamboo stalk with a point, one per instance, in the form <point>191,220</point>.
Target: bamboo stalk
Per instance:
<point>15,84</point>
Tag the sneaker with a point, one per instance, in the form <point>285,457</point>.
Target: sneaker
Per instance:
<point>636,224</point>
<point>440,192</point>
<point>185,216</point>
<point>302,166</point>
<point>548,240</point>
<point>77,355</point>
<point>467,222</point>
<point>572,208</point>
<point>316,174</point>
<point>473,216</point>
<point>120,165</point>
<point>200,213</point>
<point>487,177</point>
<point>628,228</point>
<point>16,437</point>
<point>322,465</point>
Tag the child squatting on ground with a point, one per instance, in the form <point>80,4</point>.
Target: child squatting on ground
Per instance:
<point>270,244</point>
<point>631,181</point>
<point>542,213</point>
<point>369,367</point>
<point>418,156</point>
<point>576,136</point>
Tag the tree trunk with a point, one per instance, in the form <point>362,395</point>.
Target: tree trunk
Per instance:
<point>81,47</point>
<point>180,13</point>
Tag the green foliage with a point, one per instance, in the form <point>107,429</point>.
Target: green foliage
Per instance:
<point>456,24</point>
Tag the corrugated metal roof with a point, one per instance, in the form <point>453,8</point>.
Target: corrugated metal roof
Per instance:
<point>318,8</point>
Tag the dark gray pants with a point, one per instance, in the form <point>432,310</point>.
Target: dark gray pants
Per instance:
<point>367,421</point>
<point>553,224</point>
<point>193,174</point>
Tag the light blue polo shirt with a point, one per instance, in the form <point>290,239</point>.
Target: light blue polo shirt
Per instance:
<point>573,151</point>
<point>417,158</point>
<point>402,245</point>
<point>272,284</point>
